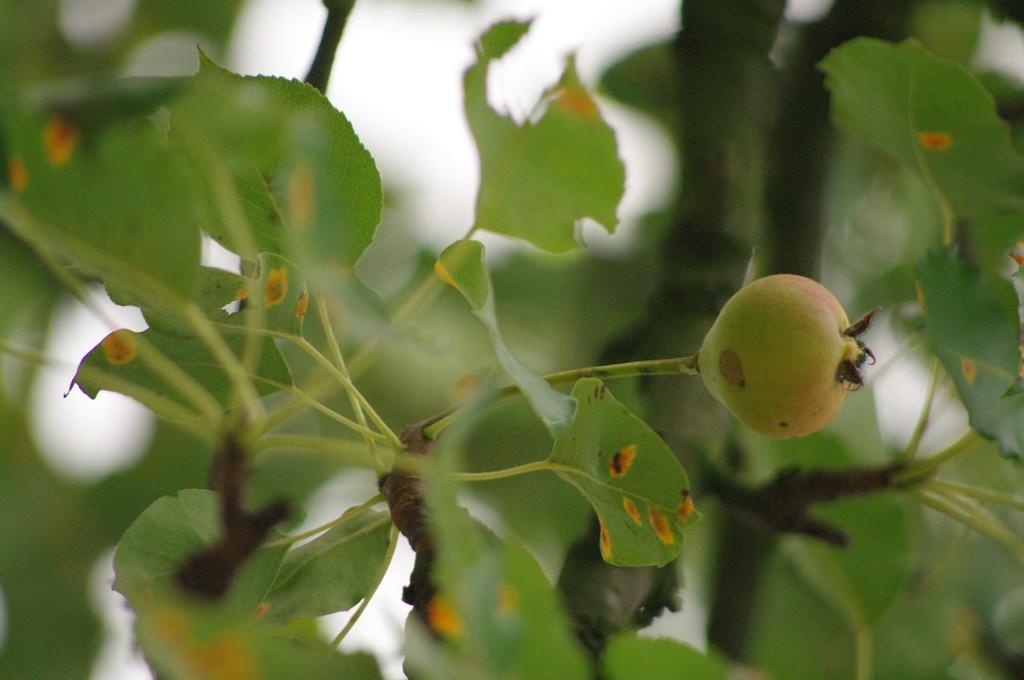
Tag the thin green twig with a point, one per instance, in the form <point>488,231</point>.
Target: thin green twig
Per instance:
<point>977,493</point>
<point>344,517</point>
<point>339,360</point>
<point>973,518</point>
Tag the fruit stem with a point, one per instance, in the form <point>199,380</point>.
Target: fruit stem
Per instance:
<point>673,366</point>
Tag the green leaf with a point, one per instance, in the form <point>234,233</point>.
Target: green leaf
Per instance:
<point>931,115</point>
<point>861,580</point>
<point>309,188</point>
<point>170,531</point>
<point>539,178</point>
<point>279,292</point>
<point>117,355</point>
<point>629,656</point>
<point>185,642</point>
<point>636,486</point>
<point>93,103</point>
<point>215,290</point>
<point>646,79</point>
<point>331,573</point>
<point>976,336</point>
<point>120,206</point>
<point>462,266</point>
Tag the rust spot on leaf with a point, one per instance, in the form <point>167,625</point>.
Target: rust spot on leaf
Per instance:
<point>969,370</point>
<point>301,196</point>
<point>934,141</point>
<point>261,611</point>
<point>508,599</point>
<point>171,625</point>
<point>17,174</point>
<point>467,387</point>
<point>632,510</point>
<point>119,347</point>
<point>920,297</point>
<point>622,460</point>
<point>242,292</point>
<point>685,509</point>
<point>660,525</point>
<point>442,618</point>
<point>59,140</point>
<point>227,656</point>
<point>277,286</point>
<point>606,541</point>
<point>576,102</point>
<point>302,305</point>
<point>443,274</point>
<point>731,368</point>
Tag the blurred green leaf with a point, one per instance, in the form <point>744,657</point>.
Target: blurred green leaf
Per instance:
<point>539,178</point>
<point>975,335</point>
<point>462,266</point>
<point>332,572</point>
<point>93,103</point>
<point>116,355</point>
<point>191,642</point>
<point>647,79</point>
<point>864,578</point>
<point>120,206</point>
<point>948,28</point>
<point>933,116</point>
<point>628,657</point>
<point>496,609</point>
<point>309,188</point>
<point>215,290</point>
<point>170,531</point>
<point>50,540</point>
<point>636,486</point>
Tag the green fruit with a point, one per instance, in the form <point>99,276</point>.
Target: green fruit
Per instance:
<point>782,356</point>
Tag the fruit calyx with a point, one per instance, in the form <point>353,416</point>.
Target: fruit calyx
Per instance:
<point>849,368</point>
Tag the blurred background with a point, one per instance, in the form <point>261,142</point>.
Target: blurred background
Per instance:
<point>74,472</point>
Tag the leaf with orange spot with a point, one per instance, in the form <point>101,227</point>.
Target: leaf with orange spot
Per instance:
<point>442,619</point>
<point>633,511</point>
<point>934,141</point>
<point>119,347</point>
<point>125,211</point>
<point>621,461</point>
<point>539,178</point>
<point>183,640</point>
<point>975,333</point>
<point>283,298</point>
<point>649,487</point>
<point>310,190</point>
<point>189,354</point>
<point>60,138</point>
<point>17,173</point>
<point>933,116</point>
